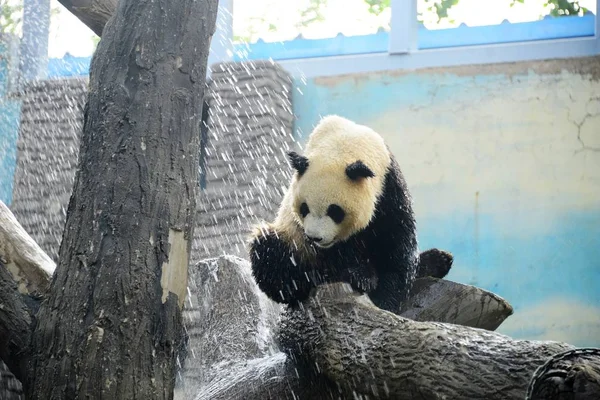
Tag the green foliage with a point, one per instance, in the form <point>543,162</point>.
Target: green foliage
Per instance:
<point>377,6</point>
<point>312,13</point>
<point>11,16</point>
<point>256,25</point>
<point>441,7</point>
<point>95,40</point>
<point>559,8</point>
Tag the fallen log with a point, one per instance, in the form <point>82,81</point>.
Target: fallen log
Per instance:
<point>341,346</point>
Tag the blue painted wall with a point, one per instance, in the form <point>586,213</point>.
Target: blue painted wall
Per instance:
<point>9,125</point>
<point>504,165</point>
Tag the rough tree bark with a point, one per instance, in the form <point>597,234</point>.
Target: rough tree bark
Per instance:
<point>372,352</point>
<point>94,13</point>
<point>111,326</point>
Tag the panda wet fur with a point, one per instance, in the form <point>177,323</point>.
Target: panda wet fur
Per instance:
<point>379,258</point>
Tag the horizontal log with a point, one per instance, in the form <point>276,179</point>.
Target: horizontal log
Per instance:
<point>230,322</point>
<point>372,352</point>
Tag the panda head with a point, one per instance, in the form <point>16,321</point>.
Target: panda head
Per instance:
<point>338,181</point>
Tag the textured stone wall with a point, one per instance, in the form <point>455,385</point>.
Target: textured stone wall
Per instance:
<point>250,124</point>
<point>47,149</point>
<point>244,167</point>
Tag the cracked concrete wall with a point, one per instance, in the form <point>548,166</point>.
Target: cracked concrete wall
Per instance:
<point>504,165</point>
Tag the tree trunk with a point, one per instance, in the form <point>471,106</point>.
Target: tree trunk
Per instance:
<point>111,326</point>
<point>94,13</point>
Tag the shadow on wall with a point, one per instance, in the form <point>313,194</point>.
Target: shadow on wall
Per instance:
<point>503,162</point>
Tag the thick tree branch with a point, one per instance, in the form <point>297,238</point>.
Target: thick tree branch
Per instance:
<point>93,13</point>
<point>370,351</point>
<point>29,265</point>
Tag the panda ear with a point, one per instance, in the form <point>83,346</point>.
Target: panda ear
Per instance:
<point>298,162</point>
<point>358,170</point>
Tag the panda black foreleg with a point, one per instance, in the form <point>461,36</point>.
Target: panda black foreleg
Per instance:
<point>353,266</point>
<point>361,277</point>
<point>277,272</point>
<point>396,278</point>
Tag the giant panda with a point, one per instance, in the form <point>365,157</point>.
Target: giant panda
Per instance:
<point>346,216</point>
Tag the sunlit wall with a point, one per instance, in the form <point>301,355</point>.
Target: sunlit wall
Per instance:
<point>503,163</point>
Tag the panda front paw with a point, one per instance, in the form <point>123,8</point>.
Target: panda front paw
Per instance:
<point>275,269</point>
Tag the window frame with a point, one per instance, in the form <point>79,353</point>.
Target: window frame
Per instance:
<point>403,51</point>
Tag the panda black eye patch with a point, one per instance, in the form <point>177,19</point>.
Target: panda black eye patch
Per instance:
<point>336,213</point>
<point>304,210</point>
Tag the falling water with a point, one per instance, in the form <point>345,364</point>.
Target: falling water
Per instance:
<point>250,128</point>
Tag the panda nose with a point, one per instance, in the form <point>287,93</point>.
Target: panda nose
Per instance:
<point>314,239</point>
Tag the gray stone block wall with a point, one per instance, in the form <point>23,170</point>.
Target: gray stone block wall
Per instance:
<point>249,129</point>
<point>47,149</point>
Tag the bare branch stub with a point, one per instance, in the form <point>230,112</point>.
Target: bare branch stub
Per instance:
<point>93,13</point>
<point>29,265</point>
<point>439,300</point>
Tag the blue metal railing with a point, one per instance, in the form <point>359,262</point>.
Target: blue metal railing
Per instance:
<point>506,32</point>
